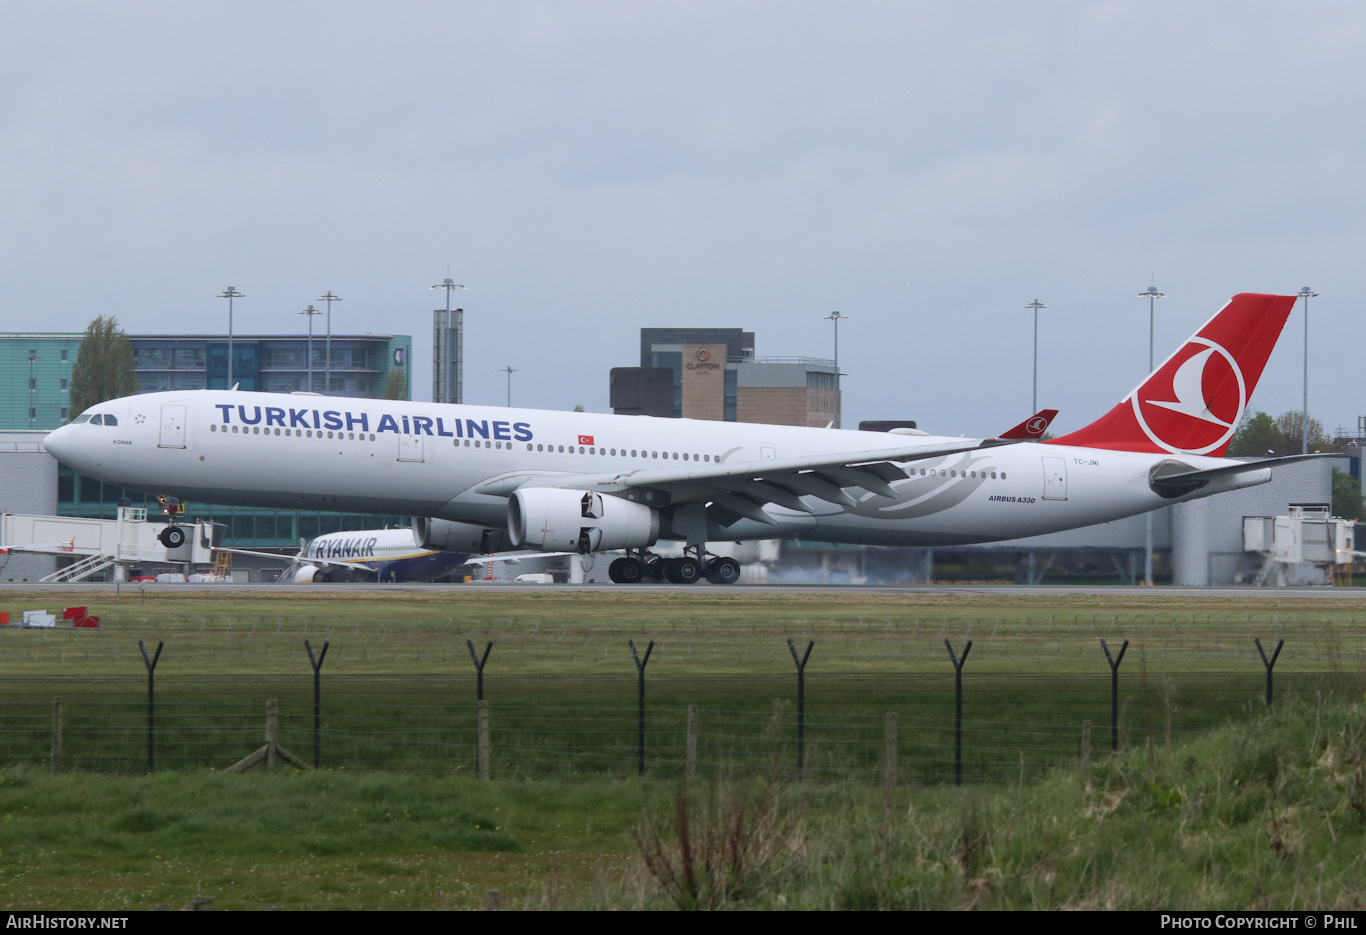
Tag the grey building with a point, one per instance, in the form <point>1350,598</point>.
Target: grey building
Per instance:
<point>28,484</point>
<point>713,373</point>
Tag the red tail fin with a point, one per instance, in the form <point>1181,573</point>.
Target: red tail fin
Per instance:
<point>1032,429</point>
<point>1192,403</point>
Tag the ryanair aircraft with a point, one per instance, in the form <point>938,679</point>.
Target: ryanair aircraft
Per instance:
<point>482,479</point>
<point>365,554</point>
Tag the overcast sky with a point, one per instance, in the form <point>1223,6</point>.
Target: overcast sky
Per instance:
<point>587,169</point>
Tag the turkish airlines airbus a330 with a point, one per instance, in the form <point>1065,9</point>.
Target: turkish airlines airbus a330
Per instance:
<point>481,479</point>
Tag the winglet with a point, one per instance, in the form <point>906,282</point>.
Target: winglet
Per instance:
<point>1031,429</point>
<point>1191,404</point>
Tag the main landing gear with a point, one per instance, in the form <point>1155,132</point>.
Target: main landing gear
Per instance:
<point>640,565</point>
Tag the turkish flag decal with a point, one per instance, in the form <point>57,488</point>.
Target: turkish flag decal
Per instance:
<point>585,439</point>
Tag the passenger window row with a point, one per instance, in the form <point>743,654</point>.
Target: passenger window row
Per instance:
<point>622,453</point>
<point>956,473</point>
<point>297,433</point>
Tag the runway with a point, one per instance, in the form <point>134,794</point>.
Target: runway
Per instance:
<point>1320,593</point>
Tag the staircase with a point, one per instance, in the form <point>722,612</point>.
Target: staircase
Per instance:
<point>80,570</point>
<point>222,564</point>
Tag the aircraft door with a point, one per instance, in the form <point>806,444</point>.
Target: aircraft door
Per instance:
<point>410,447</point>
<point>172,426</point>
<point>1054,479</point>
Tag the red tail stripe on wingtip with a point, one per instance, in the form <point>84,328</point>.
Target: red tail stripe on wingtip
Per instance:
<point>1033,427</point>
<point>1192,402</point>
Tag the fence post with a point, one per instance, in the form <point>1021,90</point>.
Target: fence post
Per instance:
<point>272,732</point>
<point>151,664</point>
<point>56,736</point>
<point>1114,692</point>
<point>317,665</point>
<point>1269,663</point>
<point>889,753</point>
<point>958,709</point>
<point>690,763</point>
<point>482,750</point>
<point>481,743</point>
<point>801,705</point>
<point>640,726</point>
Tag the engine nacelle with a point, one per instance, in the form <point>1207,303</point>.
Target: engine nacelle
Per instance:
<point>554,520</point>
<point>446,536</point>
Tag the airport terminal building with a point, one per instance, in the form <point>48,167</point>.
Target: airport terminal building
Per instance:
<point>713,373</point>
<point>36,367</point>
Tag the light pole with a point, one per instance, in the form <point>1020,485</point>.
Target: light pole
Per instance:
<point>1305,293</point>
<point>1036,305</point>
<point>32,358</point>
<point>509,371</point>
<point>310,312</point>
<point>442,358</point>
<point>837,317</point>
<point>329,298</point>
<point>1152,295</point>
<point>230,293</point>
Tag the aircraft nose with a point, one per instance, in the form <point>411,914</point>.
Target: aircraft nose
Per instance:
<point>60,444</point>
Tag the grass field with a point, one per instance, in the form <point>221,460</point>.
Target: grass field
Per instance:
<point>1262,814</point>
<point>398,711</point>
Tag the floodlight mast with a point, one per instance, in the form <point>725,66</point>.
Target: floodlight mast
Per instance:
<point>230,293</point>
<point>1152,295</point>
<point>329,298</point>
<point>1036,305</point>
<point>1305,293</point>
<point>509,371</point>
<point>837,317</point>
<point>310,312</point>
<point>32,358</point>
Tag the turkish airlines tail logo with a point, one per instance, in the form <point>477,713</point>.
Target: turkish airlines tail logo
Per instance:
<point>1192,403</point>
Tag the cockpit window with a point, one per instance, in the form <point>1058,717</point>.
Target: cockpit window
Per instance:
<point>97,419</point>
<point>83,417</point>
<point>110,420</point>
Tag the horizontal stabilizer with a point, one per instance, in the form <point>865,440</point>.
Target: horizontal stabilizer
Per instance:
<point>1168,479</point>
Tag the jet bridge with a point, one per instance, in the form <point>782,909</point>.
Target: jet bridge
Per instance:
<point>97,544</point>
<point>1306,540</point>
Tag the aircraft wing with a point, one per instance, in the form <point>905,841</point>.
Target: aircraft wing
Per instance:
<point>512,558</point>
<point>1033,428</point>
<point>742,488</point>
<point>299,559</point>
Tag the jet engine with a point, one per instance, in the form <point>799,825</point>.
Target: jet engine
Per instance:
<point>446,536</point>
<point>553,520</point>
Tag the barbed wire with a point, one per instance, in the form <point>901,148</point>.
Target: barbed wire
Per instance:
<point>1016,727</point>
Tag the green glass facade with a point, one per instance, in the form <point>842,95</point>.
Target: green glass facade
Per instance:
<point>247,527</point>
<point>36,395</point>
<point>359,366</point>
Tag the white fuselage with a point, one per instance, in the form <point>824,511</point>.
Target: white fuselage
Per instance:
<point>428,459</point>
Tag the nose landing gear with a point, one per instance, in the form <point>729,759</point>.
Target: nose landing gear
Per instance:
<point>172,537</point>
